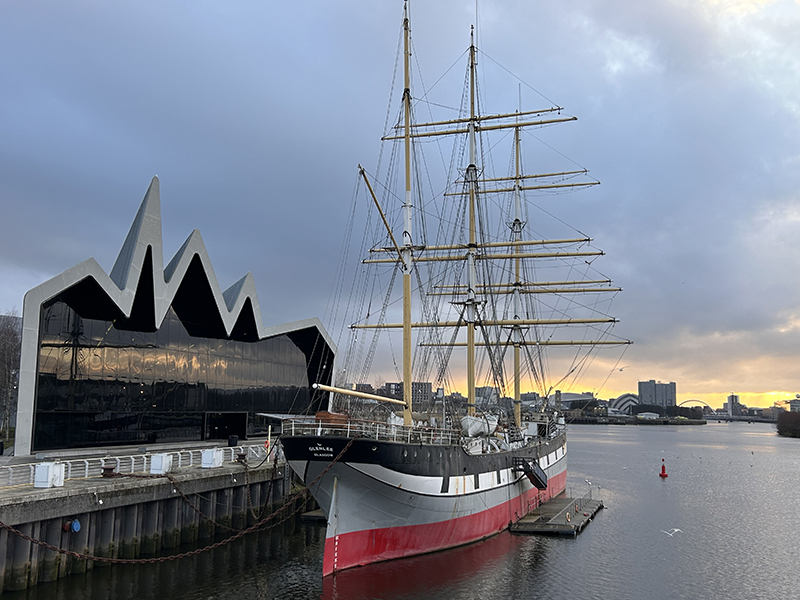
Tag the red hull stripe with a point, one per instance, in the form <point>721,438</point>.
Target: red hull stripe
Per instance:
<point>376,545</point>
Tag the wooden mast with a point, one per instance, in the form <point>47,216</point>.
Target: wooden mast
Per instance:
<point>472,182</point>
<point>517,332</point>
<point>475,250</point>
<point>406,249</point>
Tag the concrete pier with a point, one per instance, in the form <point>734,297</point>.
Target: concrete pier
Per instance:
<point>560,516</point>
<point>127,517</point>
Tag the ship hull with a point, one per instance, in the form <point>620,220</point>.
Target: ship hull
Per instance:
<point>388,500</point>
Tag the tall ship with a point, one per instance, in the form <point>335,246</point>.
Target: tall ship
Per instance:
<point>485,298</point>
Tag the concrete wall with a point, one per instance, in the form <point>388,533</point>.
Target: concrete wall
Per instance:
<point>129,518</point>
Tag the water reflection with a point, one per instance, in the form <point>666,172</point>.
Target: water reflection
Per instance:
<point>480,564</point>
<point>738,541</point>
<point>277,563</point>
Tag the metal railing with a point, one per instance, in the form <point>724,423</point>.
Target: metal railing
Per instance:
<point>576,506</point>
<point>87,468</point>
<point>373,430</point>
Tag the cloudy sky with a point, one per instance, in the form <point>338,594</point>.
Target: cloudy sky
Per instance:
<point>254,116</point>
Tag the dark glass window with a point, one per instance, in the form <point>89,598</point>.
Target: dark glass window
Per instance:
<point>98,385</point>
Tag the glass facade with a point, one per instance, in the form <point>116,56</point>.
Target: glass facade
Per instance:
<point>100,385</point>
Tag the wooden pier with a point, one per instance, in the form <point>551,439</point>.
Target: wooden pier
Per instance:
<point>560,516</point>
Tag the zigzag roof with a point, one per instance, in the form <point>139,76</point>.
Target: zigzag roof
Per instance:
<point>140,290</point>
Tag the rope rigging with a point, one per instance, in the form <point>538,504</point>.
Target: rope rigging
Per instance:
<point>444,225</point>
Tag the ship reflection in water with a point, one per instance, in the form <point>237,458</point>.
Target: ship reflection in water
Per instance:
<point>613,558</point>
<point>484,566</point>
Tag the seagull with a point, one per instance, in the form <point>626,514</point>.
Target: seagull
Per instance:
<point>671,532</point>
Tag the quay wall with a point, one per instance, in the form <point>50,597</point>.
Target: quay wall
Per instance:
<point>130,517</point>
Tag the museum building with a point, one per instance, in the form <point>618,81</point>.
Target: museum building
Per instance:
<point>151,354</point>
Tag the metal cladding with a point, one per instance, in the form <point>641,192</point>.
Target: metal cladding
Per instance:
<point>140,291</point>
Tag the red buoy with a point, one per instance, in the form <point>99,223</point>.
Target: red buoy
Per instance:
<point>663,470</point>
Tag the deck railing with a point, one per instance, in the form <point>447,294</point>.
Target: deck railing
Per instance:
<point>373,430</point>
<point>86,468</point>
<point>579,504</point>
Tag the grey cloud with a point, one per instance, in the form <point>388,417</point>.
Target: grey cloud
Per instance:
<point>269,109</point>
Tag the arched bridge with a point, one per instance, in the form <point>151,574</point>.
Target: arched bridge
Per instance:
<point>700,401</point>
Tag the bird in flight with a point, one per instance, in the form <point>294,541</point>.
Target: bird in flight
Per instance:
<point>672,531</point>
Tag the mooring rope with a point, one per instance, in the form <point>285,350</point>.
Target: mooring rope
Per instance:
<point>159,559</point>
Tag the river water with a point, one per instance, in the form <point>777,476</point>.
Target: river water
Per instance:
<point>733,490</point>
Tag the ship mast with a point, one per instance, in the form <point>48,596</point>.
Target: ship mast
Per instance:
<point>473,251</point>
<point>472,183</point>
<point>516,228</point>
<point>405,251</point>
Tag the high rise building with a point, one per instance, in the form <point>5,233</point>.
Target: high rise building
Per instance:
<point>365,388</point>
<point>421,393</point>
<point>732,406</point>
<point>486,395</point>
<point>657,393</point>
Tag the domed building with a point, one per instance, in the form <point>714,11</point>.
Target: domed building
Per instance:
<point>623,404</point>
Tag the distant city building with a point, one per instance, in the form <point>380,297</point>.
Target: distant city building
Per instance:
<point>567,398</point>
<point>772,412</point>
<point>391,390</point>
<point>486,395</point>
<point>421,393</point>
<point>657,393</point>
<point>364,388</point>
<point>530,397</point>
<point>623,403</point>
<point>794,405</point>
<point>648,416</point>
<point>732,407</point>
<point>456,398</point>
